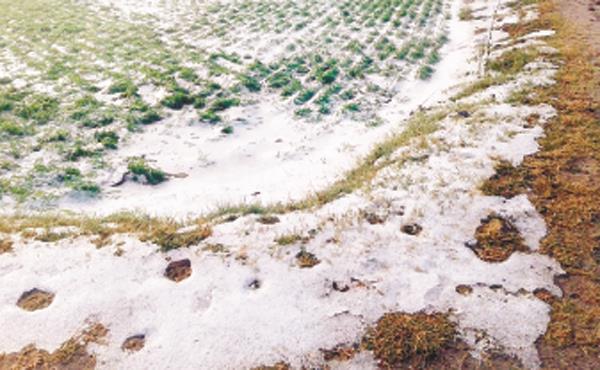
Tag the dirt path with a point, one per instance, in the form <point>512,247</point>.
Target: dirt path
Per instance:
<point>585,16</point>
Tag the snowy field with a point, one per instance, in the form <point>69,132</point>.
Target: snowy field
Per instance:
<point>286,95</point>
<point>181,109</point>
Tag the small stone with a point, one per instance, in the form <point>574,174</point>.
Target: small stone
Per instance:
<point>35,299</point>
<point>464,114</point>
<point>412,229</point>
<point>254,284</point>
<point>268,220</point>
<point>464,289</point>
<point>134,343</point>
<point>179,270</point>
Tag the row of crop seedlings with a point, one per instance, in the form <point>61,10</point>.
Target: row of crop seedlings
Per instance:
<point>262,17</point>
<point>377,13</point>
<point>385,45</point>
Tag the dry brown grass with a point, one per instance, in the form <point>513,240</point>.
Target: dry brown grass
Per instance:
<point>5,245</point>
<point>563,182</point>
<point>166,233</point>
<point>71,355</point>
<point>414,340</point>
<point>277,366</point>
<point>306,259</point>
<point>497,239</point>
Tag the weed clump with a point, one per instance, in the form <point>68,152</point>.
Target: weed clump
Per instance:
<point>512,61</point>
<point>168,236</point>
<point>14,129</point>
<point>178,99</point>
<point>223,104</point>
<point>401,340</point>
<point>88,187</point>
<point>125,87</point>
<point>306,259</point>
<point>210,117</point>
<point>304,96</point>
<point>497,238</point>
<point>250,83</point>
<point>140,168</point>
<point>108,139</point>
<point>288,239</point>
<point>41,109</point>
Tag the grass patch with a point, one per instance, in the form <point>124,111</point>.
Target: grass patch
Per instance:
<point>178,99</point>
<point>513,61</point>
<point>401,340</point>
<point>141,169</point>
<point>125,87</point>
<point>108,139</point>
<point>40,108</point>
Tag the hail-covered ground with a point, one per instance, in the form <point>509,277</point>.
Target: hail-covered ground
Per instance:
<point>179,108</point>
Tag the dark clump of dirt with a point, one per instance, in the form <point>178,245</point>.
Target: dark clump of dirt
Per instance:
<point>179,270</point>
<point>464,289</point>
<point>134,343</point>
<point>340,287</point>
<point>411,340</point>
<point>306,259</point>
<point>268,220</point>
<point>35,299</point>
<point>374,218</point>
<point>496,239</point>
<point>72,355</point>
<point>412,229</point>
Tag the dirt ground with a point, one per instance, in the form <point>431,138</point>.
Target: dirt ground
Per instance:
<point>585,15</point>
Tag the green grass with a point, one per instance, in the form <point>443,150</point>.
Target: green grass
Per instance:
<point>140,168</point>
<point>222,104</point>
<point>124,87</point>
<point>108,139</point>
<point>40,109</point>
<point>178,99</point>
<point>14,129</point>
